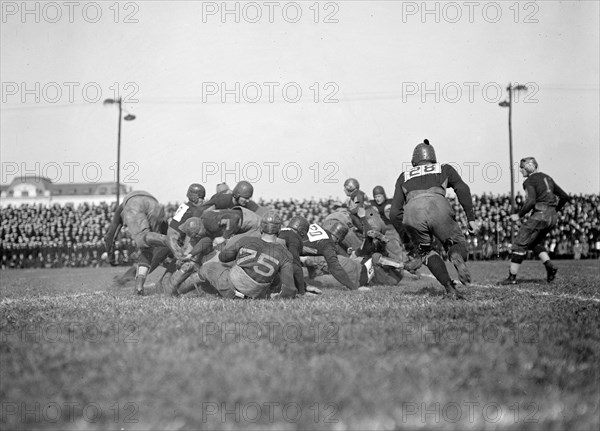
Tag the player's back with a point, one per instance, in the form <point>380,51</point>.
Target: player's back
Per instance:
<point>544,188</point>
<point>261,260</point>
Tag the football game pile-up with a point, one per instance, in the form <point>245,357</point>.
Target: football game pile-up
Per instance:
<point>233,247</point>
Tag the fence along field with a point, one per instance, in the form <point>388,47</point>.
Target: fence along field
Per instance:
<point>79,353</point>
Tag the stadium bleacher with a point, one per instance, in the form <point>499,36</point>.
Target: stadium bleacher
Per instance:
<point>38,236</point>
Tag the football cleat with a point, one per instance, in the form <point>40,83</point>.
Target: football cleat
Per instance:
<point>512,279</point>
<point>461,267</point>
<point>452,292</point>
<point>551,273</point>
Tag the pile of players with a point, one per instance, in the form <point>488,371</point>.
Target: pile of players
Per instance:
<point>232,247</point>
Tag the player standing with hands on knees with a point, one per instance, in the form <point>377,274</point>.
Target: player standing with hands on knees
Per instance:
<point>544,198</point>
<point>420,209</point>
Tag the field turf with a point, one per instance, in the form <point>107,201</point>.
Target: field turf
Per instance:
<point>78,353</point>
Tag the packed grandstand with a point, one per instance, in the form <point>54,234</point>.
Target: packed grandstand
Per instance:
<point>39,236</point>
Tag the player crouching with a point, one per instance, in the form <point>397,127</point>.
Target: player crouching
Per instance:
<point>257,263</point>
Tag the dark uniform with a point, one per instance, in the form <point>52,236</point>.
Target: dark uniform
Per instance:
<point>224,200</point>
<point>319,243</point>
<point>293,243</point>
<point>420,212</point>
<point>257,264</point>
<point>544,199</point>
<point>420,205</point>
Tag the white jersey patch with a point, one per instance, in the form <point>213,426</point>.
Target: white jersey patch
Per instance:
<point>316,233</point>
<point>180,212</point>
<point>419,171</point>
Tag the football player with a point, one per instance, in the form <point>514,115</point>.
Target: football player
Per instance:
<point>241,195</point>
<point>420,209</point>
<point>356,201</point>
<point>256,264</point>
<point>383,205</point>
<point>319,241</point>
<point>175,238</point>
<point>192,208</point>
<point>342,215</point>
<point>144,218</point>
<point>292,235</point>
<point>544,199</point>
<point>214,228</point>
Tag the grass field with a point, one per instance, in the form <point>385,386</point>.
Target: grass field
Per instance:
<point>79,353</point>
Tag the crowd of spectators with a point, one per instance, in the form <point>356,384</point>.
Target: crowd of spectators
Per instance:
<point>68,236</point>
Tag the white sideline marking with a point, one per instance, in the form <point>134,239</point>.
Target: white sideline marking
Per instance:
<point>529,291</point>
<point>8,301</point>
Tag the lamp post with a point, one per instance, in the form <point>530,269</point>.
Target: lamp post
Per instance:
<point>128,117</point>
<point>508,104</point>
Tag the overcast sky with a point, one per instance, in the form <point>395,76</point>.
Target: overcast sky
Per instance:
<point>349,95</point>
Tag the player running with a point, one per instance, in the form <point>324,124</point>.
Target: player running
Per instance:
<point>420,209</point>
<point>544,199</point>
<point>144,218</point>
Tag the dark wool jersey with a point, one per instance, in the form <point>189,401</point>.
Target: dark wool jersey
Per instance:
<point>262,261</point>
<point>184,212</point>
<point>541,189</point>
<point>381,208</point>
<point>293,242</point>
<point>322,245</point>
<point>432,178</point>
<point>223,201</point>
<point>225,223</point>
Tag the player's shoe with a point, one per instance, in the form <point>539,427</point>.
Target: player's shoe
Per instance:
<point>511,280</point>
<point>452,292</point>
<point>413,263</point>
<point>139,292</point>
<point>461,267</point>
<point>364,289</point>
<point>313,290</point>
<point>551,273</point>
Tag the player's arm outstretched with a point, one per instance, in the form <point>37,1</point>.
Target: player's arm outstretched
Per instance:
<point>397,208</point>
<point>463,193</point>
<point>288,288</point>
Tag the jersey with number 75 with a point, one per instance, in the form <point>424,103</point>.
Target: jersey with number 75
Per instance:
<point>261,260</point>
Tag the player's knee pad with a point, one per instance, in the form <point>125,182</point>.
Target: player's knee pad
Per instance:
<point>429,254</point>
<point>425,249</point>
<point>539,249</point>
<point>458,248</point>
<point>518,256</point>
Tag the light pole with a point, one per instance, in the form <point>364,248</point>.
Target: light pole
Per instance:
<point>128,117</point>
<point>508,104</point>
